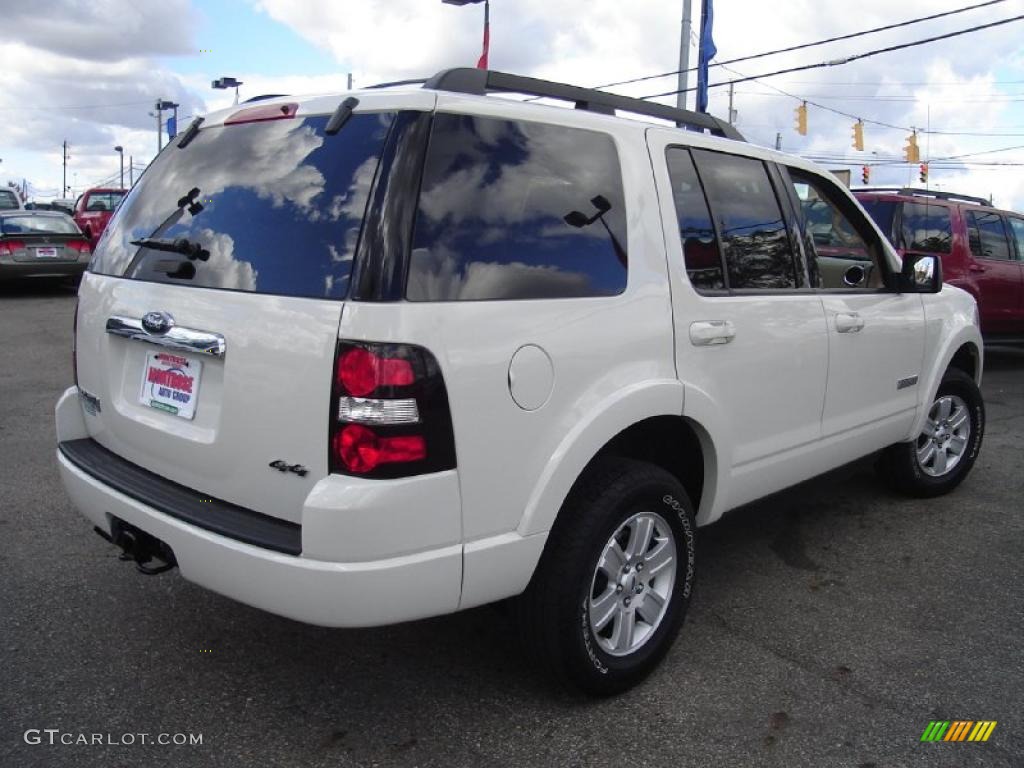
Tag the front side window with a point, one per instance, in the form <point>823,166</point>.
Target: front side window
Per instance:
<point>517,210</point>
<point>836,236</point>
<point>757,247</point>
<point>697,233</point>
<point>926,227</point>
<point>987,235</point>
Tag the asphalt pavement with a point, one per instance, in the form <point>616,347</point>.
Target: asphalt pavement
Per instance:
<point>830,624</point>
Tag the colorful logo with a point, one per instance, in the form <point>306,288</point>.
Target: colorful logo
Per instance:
<point>958,730</point>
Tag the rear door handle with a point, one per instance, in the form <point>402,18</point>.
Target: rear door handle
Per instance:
<point>848,322</point>
<point>705,333</point>
<point>977,268</point>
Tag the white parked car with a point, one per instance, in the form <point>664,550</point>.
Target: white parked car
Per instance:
<point>363,359</point>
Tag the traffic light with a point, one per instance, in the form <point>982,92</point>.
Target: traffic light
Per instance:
<point>865,174</point>
<point>858,135</point>
<point>801,119</point>
<point>924,173</point>
<point>910,152</point>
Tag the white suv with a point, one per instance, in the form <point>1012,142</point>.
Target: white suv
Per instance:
<point>424,349</point>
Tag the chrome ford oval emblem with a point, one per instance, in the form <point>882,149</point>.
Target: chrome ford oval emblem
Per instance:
<point>157,323</point>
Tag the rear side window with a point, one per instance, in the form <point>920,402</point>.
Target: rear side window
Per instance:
<point>926,228</point>
<point>696,231</point>
<point>1017,227</point>
<point>758,252</point>
<point>987,235</point>
<point>517,210</point>
<point>276,206</point>
<point>8,201</point>
<point>882,211</point>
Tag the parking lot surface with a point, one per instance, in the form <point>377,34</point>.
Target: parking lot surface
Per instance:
<point>830,624</point>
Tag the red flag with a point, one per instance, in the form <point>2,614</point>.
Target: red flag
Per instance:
<point>481,63</point>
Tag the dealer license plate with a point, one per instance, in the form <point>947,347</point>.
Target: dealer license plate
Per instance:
<point>170,383</point>
<point>46,253</point>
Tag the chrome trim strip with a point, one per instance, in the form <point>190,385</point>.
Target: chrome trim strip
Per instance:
<point>183,339</point>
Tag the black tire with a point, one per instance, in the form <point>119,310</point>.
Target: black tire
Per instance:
<point>899,463</point>
<point>553,613</point>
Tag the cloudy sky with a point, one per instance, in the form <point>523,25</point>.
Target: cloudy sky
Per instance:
<point>89,72</point>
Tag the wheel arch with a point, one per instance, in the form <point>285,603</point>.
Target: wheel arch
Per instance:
<point>963,351</point>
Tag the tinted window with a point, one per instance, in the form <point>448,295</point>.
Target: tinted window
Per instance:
<point>987,235</point>
<point>103,201</point>
<point>700,245</point>
<point>926,228</point>
<point>1017,227</point>
<point>278,206</point>
<point>757,249</point>
<point>837,236</point>
<point>881,211</point>
<point>517,210</point>
<point>10,225</point>
<point>8,200</point>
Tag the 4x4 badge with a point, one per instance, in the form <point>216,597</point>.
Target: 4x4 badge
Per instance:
<point>284,466</point>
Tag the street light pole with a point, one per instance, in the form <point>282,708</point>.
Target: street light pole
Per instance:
<point>120,151</point>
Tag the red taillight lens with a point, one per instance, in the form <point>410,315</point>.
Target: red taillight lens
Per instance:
<point>8,247</point>
<point>360,372</point>
<point>389,412</point>
<point>362,450</point>
<point>82,246</point>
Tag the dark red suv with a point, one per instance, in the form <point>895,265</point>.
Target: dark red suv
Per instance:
<point>94,209</point>
<point>981,248</point>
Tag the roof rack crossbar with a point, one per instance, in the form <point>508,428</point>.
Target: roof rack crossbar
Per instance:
<point>938,195</point>
<point>479,82</point>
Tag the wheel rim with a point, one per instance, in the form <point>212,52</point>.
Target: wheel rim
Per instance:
<point>632,584</point>
<point>943,441</point>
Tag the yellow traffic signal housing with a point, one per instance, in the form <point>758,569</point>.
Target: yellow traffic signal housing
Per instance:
<point>801,119</point>
<point>910,152</point>
<point>858,135</point>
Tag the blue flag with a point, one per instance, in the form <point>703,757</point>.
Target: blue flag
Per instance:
<point>172,127</point>
<point>705,53</point>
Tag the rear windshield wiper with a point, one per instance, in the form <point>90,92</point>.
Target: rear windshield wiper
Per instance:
<point>177,245</point>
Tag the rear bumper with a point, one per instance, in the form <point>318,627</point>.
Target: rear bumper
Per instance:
<point>307,587</point>
<point>12,270</point>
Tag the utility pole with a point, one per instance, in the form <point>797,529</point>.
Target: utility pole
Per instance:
<point>684,54</point>
<point>64,185</point>
<point>732,112</point>
<point>778,141</point>
<point>131,167</point>
<point>350,81</point>
<point>159,129</point>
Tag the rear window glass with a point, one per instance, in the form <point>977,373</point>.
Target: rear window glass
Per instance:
<point>517,210</point>
<point>103,201</point>
<point>275,207</point>
<point>24,225</point>
<point>8,200</point>
<point>758,252</point>
<point>926,228</point>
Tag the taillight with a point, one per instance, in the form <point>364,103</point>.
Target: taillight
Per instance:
<point>8,247</point>
<point>82,246</point>
<point>389,412</point>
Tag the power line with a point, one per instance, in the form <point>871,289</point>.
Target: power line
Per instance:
<point>807,45</point>
<point>845,60</point>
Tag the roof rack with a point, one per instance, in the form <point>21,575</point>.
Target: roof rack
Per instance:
<point>479,82</point>
<point>913,191</point>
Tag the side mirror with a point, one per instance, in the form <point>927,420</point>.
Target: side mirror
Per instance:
<point>922,273</point>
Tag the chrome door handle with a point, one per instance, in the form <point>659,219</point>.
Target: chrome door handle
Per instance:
<point>174,337</point>
<point>704,333</point>
<point>848,322</point>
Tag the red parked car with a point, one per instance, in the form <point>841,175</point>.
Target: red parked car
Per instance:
<point>981,248</point>
<point>94,209</point>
